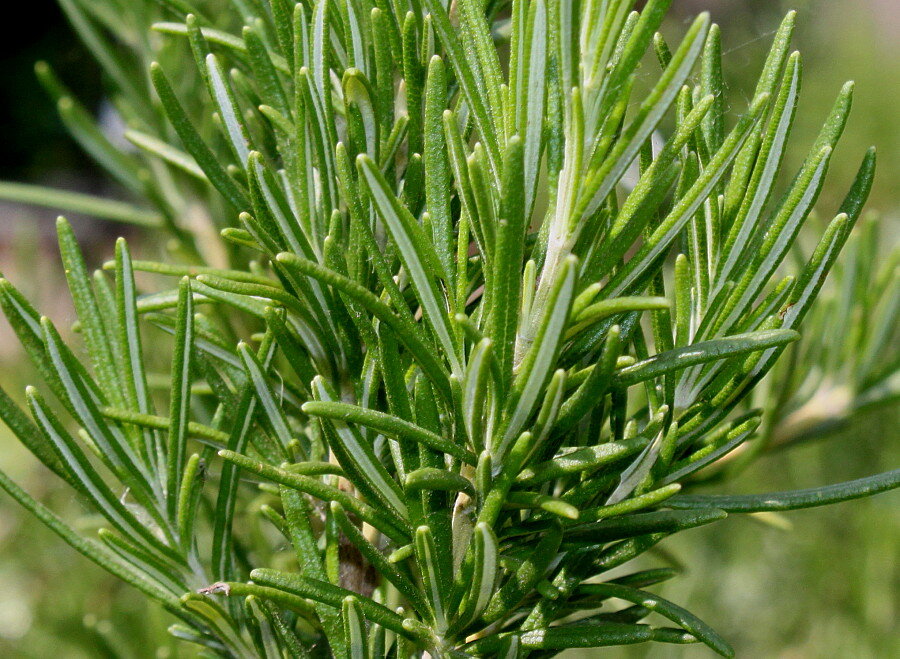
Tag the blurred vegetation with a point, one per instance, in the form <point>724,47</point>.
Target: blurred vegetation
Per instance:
<point>798,594</point>
<point>35,143</point>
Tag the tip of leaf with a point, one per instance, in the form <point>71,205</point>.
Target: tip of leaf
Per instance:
<point>566,510</point>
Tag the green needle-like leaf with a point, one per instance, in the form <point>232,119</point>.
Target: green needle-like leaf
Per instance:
<point>387,424</point>
<point>817,496</point>
<point>176,447</point>
<point>673,612</point>
<point>331,595</point>
<point>194,143</point>
<point>701,353</point>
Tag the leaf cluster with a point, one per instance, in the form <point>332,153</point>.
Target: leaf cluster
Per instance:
<point>446,323</point>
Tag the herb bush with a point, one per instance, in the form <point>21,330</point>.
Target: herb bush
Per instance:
<point>452,340</point>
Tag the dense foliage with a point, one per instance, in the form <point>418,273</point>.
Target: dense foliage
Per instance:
<point>452,321</point>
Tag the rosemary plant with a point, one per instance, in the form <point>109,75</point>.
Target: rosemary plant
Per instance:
<point>436,369</point>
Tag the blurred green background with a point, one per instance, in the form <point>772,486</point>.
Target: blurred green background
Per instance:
<point>827,587</point>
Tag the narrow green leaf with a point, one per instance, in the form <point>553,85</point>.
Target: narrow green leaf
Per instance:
<point>88,310</point>
<point>243,420</point>
<point>505,293</point>
<point>525,578</point>
<point>426,556</point>
<point>468,81</point>
<point>430,478</point>
<point>598,311</point>
<point>531,103</point>
<point>417,253</point>
<point>30,436</point>
<point>484,574</point>
<point>84,399</point>
<point>387,424</point>
<point>483,56</point>
<point>438,184</point>
<point>478,407</point>
<point>547,503</point>
<point>713,84</point>
<point>573,461</point>
<point>331,595</point>
<point>536,367</point>
<point>76,202</point>
<point>714,450</point>
<point>229,111</point>
<point>584,636</point>
<point>629,526</point>
<point>297,513</point>
<point>218,37</point>
<point>356,455</point>
<point>194,143</point>
<point>811,498</point>
<point>594,388</point>
<point>180,405</point>
<point>354,628</point>
<point>137,393</point>
<point>322,492</point>
<point>271,406</point>
<point>685,619</point>
<point>701,353</point>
